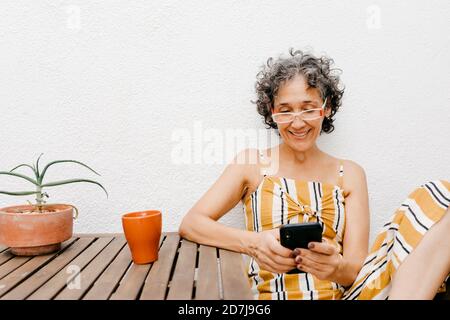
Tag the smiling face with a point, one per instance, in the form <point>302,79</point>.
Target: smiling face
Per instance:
<point>294,96</point>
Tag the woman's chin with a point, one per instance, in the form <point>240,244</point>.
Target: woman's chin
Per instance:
<point>297,144</point>
<point>300,146</point>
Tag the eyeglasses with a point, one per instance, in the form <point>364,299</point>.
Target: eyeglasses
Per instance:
<point>307,115</point>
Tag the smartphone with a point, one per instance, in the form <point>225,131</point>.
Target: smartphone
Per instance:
<point>298,235</point>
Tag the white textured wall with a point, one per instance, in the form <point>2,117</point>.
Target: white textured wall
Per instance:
<point>109,82</point>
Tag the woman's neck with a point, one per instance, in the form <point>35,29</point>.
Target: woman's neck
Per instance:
<point>305,159</point>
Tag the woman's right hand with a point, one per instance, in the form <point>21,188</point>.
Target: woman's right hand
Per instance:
<point>270,254</point>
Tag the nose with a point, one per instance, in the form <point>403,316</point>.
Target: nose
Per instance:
<point>297,122</point>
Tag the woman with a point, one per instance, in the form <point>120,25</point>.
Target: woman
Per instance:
<point>299,96</point>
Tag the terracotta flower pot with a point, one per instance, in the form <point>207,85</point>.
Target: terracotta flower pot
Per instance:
<point>30,234</point>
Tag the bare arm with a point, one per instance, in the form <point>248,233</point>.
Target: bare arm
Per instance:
<point>356,235</point>
<point>200,223</point>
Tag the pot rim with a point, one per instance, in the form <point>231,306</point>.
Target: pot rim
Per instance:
<point>141,214</point>
<point>60,208</point>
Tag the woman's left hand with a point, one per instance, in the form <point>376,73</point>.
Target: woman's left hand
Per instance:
<point>321,259</point>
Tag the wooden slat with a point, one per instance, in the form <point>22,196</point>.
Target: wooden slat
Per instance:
<point>64,276</point>
<point>3,248</point>
<point>44,274</point>
<point>133,281</point>
<point>105,285</point>
<point>131,285</point>
<point>207,278</point>
<point>109,235</point>
<point>5,256</point>
<point>182,283</point>
<point>93,270</point>
<point>12,265</point>
<point>155,286</point>
<point>234,281</point>
<point>98,235</point>
<point>24,271</point>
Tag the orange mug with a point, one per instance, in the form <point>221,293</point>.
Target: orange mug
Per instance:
<point>143,231</point>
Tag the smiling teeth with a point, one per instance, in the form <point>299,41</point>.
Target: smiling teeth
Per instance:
<point>300,135</point>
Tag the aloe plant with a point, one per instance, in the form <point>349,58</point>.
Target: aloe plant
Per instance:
<point>38,180</point>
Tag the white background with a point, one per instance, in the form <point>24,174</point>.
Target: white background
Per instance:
<point>109,82</point>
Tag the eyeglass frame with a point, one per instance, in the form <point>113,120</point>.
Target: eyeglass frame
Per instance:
<point>295,114</point>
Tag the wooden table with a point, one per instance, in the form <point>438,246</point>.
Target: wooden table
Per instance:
<point>99,267</point>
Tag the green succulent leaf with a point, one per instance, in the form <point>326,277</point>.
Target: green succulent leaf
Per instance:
<point>25,165</point>
<point>19,193</point>
<point>41,177</point>
<point>20,176</point>
<point>37,164</point>
<point>62,182</point>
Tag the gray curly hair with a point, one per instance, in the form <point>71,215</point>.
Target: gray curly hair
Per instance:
<point>317,73</point>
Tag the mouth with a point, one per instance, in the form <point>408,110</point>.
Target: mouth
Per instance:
<point>300,135</point>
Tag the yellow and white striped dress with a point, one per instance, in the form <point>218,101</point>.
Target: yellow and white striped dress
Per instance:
<point>279,201</point>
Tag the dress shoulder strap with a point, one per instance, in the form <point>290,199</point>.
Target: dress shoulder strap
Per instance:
<point>263,159</point>
<point>341,175</point>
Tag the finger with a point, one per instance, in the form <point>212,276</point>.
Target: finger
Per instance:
<point>314,256</point>
<point>312,271</point>
<point>274,267</point>
<point>278,260</point>
<point>313,265</point>
<point>305,269</point>
<point>322,247</point>
<point>286,262</point>
<point>267,264</point>
<point>278,249</point>
<point>329,242</point>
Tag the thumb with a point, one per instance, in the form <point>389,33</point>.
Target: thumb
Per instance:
<point>331,243</point>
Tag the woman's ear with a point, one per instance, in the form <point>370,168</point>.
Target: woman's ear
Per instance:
<point>327,111</point>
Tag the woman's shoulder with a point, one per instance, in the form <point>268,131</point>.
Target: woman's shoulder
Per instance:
<point>352,167</point>
<point>248,161</point>
<point>354,176</point>
<point>346,165</point>
<point>252,165</point>
<point>247,157</point>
